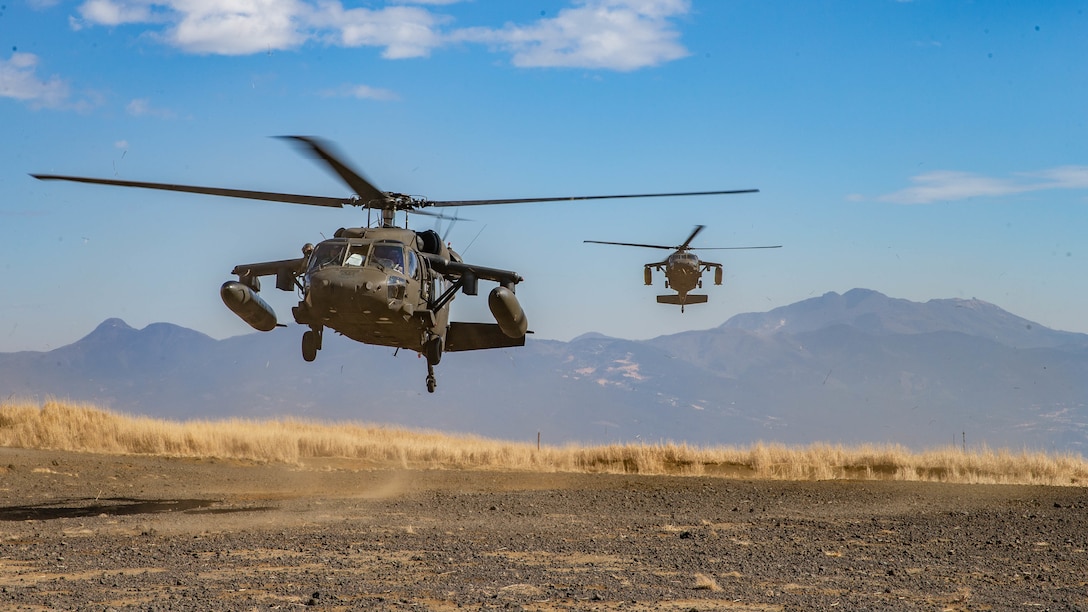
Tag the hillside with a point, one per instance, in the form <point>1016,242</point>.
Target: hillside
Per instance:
<point>853,368</point>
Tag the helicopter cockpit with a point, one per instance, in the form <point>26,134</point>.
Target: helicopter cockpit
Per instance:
<point>386,256</point>
<point>327,253</point>
<point>685,258</point>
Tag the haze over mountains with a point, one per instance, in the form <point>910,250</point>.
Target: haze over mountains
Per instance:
<point>854,368</point>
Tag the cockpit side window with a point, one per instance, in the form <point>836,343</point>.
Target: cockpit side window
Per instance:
<point>326,254</point>
<point>388,256</point>
<point>413,264</point>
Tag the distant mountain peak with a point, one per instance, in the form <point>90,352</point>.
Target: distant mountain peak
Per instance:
<point>112,324</point>
<point>856,296</point>
<point>592,336</point>
<point>114,335</point>
<point>875,313</point>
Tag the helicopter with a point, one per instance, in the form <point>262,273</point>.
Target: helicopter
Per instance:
<point>683,269</point>
<point>382,285</point>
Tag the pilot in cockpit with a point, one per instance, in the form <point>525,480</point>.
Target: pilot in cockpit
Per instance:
<point>325,254</point>
<point>388,256</point>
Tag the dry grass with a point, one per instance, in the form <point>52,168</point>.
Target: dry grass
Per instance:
<point>80,427</point>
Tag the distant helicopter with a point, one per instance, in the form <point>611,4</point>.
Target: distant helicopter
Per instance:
<point>683,269</point>
<point>385,285</point>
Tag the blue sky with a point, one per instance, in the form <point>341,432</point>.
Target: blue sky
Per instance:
<point>922,149</point>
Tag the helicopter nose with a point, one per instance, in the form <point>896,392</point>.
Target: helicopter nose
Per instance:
<point>374,290</point>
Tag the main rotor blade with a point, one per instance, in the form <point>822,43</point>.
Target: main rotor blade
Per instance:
<point>698,228</point>
<point>363,188</point>
<point>215,191</point>
<point>573,198</point>
<point>437,215</point>
<point>777,246</point>
<point>634,244</point>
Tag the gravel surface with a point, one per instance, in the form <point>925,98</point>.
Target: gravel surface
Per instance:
<point>101,532</point>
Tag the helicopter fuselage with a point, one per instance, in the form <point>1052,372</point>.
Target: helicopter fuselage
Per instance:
<point>384,286</point>
<point>683,274</point>
<point>683,271</point>
<point>374,288</point>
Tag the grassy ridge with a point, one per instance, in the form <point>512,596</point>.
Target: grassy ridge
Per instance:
<point>81,427</point>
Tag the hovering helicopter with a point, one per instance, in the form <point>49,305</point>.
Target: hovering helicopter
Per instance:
<point>383,285</point>
<point>683,269</point>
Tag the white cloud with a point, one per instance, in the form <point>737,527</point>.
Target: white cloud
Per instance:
<point>1062,177</point>
<point>18,80</point>
<point>242,27</point>
<point>948,185</point>
<point>110,13</point>
<point>363,92</point>
<point>141,107</point>
<point>619,35</point>
<point>237,27</point>
<point>404,31</point>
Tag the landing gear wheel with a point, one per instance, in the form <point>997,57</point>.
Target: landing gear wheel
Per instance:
<point>311,341</point>
<point>431,381</point>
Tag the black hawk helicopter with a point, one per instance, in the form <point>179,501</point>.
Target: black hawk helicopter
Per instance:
<point>384,285</point>
<point>683,269</point>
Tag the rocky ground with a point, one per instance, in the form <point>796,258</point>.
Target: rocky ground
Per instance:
<point>98,532</point>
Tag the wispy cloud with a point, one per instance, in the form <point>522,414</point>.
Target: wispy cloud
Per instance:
<point>1062,177</point>
<point>110,13</point>
<point>362,92</point>
<point>618,35</point>
<point>19,80</point>
<point>141,107</point>
<point>949,185</point>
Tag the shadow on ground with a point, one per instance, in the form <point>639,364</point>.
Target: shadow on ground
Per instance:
<point>115,506</point>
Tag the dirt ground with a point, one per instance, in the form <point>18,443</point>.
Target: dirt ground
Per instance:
<point>100,532</point>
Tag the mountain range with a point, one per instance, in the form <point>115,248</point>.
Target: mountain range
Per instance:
<point>859,367</point>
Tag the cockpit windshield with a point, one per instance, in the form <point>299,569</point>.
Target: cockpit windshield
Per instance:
<point>327,254</point>
<point>388,256</point>
<point>357,255</point>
